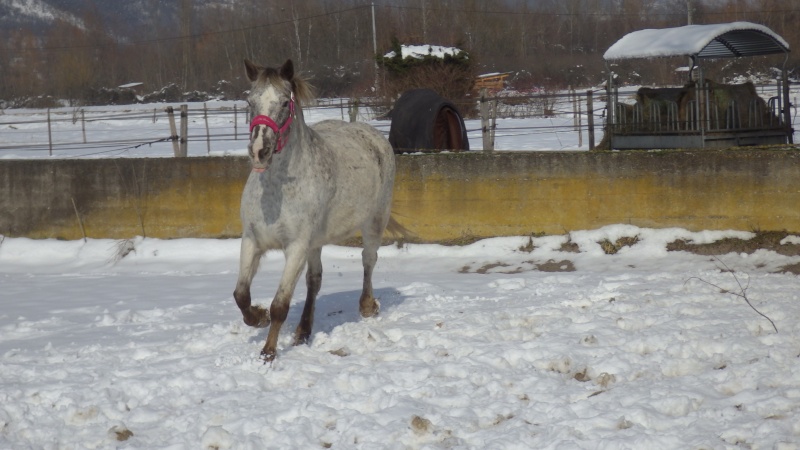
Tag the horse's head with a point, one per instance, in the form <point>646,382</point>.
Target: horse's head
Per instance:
<point>272,103</point>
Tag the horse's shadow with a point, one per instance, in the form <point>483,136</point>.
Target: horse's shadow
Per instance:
<point>333,310</point>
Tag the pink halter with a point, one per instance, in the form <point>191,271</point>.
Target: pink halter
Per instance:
<point>282,132</point>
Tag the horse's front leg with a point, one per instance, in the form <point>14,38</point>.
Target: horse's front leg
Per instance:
<point>250,255</point>
<point>313,284</point>
<point>296,256</point>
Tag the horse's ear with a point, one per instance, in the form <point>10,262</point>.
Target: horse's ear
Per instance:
<point>252,70</point>
<point>287,70</point>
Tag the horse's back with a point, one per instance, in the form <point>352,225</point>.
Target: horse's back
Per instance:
<point>355,144</point>
<point>365,169</point>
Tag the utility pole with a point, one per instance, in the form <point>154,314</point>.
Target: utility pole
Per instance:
<point>374,47</point>
<point>689,12</point>
<point>424,24</point>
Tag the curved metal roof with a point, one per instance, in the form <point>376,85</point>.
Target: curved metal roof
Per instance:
<point>722,40</point>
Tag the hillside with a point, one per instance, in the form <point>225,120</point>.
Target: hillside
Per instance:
<point>72,46</point>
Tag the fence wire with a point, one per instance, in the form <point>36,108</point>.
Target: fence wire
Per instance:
<point>77,132</point>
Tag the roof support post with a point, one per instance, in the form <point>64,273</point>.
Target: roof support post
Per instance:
<point>786,111</point>
<point>611,104</point>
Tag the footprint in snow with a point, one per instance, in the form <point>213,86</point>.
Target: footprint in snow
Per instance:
<point>508,284</point>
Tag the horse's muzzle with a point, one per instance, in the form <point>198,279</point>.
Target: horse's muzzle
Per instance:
<point>260,157</point>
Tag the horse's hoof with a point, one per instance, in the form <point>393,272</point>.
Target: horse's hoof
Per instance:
<point>257,317</point>
<point>267,356</point>
<point>368,309</point>
<point>302,340</point>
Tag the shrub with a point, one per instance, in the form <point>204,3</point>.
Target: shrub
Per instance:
<point>451,76</point>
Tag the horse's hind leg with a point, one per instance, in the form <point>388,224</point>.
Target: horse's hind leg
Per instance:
<point>368,305</point>
<point>313,283</point>
<point>249,257</point>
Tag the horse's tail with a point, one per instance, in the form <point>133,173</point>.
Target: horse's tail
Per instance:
<point>395,228</point>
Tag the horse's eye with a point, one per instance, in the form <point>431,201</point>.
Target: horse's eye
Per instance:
<point>286,103</point>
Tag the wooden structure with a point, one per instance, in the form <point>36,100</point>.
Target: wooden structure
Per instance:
<point>701,114</point>
<point>490,81</point>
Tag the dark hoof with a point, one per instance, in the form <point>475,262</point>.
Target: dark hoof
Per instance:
<point>257,317</point>
<point>302,339</point>
<point>267,356</point>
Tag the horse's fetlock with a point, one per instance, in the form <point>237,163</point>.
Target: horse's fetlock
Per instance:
<point>242,299</point>
<point>278,311</point>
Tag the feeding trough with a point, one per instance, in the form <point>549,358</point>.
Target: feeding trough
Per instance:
<point>702,113</point>
<point>424,121</point>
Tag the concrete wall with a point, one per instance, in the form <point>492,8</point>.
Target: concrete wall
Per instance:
<point>445,197</point>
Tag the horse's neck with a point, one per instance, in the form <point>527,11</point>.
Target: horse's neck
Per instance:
<point>301,130</point>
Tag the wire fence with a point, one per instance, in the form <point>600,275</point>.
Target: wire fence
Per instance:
<point>98,130</point>
<point>532,120</point>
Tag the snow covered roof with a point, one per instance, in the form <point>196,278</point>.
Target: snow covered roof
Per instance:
<point>420,51</point>
<point>722,40</point>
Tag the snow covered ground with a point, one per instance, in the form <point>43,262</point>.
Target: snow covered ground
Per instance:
<point>504,343</point>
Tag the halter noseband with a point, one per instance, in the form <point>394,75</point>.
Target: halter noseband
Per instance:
<point>282,132</point>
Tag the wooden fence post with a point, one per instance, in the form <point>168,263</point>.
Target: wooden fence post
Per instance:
<point>590,118</point>
<point>83,124</point>
<point>208,135</point>
<point>573,98</point>
<point>485,128</point>
<point>580,121</point>
<point>49,133</point>
<point>173,131</point>
<point>494,120</point>
<point>184,131</point>
<point>352,110</point>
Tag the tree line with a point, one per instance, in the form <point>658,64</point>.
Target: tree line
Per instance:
<point>552,43</point>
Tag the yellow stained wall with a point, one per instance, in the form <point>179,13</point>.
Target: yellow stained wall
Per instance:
<point>439,198</point>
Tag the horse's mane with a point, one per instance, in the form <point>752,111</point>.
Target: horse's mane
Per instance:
<point>303,90</point>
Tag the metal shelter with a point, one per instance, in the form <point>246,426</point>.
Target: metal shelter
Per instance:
<point>702,114</point>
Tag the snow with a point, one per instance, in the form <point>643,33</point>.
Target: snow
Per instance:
<point>32,8</point>
<point>505,343</point>
<point>419,51</point>
<point>41,10</point>
<point>678,41</point>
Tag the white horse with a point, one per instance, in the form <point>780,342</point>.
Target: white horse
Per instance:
<point>309,186</point>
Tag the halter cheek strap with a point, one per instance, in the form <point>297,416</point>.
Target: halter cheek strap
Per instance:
<point>282,132</point>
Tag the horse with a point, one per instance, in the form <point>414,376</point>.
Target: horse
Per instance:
<point>309,186</point>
